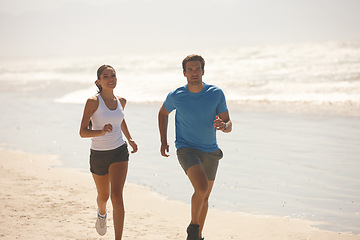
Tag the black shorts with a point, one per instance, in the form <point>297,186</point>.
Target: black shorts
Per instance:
<point>100,161</point>
<point>189,157</point>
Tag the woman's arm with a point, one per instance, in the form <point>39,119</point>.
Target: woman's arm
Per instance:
<point>125,129</point>
<point>127,134</point>
<point>90,107</point>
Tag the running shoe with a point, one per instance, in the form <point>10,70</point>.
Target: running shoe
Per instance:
<point>193,232</point>
<point>100,225</point>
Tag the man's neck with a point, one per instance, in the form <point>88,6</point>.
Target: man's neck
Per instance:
<point>195,88</point>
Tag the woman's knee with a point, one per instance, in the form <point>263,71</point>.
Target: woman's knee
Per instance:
<point>116,197</point>
<point>103,197</point>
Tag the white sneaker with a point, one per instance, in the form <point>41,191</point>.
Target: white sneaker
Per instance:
<point>100,225</point>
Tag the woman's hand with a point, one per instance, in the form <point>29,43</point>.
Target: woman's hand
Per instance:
<point>133,145</point>
<point>106,129</point>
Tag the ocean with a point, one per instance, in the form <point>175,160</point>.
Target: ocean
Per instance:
<point>294,150</point>
<point>326,73</point>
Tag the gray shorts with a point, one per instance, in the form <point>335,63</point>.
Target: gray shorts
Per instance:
<point>100,161</point>
<point>210,161</point>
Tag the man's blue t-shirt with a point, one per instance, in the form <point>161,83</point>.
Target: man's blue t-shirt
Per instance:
<point>195,115</point>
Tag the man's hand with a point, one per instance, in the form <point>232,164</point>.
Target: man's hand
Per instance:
<point>219,124</point>
<point>164,149</point>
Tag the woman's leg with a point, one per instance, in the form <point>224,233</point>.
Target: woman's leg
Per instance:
<point>103,190</point>
<point>117,175</point>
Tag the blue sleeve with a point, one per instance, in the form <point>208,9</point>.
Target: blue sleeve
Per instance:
<point>222,107</point>
<point>169,104</point>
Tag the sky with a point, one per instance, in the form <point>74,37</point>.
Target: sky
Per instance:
<point>88,27</point>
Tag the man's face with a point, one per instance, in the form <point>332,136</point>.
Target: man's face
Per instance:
<point>194,72</point>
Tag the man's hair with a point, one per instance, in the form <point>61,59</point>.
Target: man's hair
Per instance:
<point>193,57</point>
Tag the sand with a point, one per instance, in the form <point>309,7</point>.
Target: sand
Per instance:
<point>41,200</point>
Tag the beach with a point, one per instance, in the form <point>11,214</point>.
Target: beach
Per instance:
<point>290,166</point>
<point>48,192</point>
<point>40,201</point>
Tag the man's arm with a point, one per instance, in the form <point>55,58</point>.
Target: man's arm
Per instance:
<point>163,124</point>
<point>223,122</point>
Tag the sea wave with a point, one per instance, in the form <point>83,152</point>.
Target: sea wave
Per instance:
<point>310,72</point>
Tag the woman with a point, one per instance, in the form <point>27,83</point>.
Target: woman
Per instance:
<point>103,121</point>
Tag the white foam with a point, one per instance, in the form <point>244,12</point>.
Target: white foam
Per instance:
<point>77,97</point>
<point>318,73</point>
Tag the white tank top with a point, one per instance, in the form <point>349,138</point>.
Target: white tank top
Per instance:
<point>102,116</point>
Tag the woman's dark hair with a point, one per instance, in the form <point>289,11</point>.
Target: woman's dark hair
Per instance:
<point>99,71</point>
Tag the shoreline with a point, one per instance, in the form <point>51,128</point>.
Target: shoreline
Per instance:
<point>298,148</point>
<point>346,109</point>
<point>42,202</point>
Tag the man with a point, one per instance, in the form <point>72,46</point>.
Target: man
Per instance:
<point>200,110</point>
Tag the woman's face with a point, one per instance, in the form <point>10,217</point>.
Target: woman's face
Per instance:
<point>108,78</point>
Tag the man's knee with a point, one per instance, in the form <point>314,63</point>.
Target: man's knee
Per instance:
<point>202,189</point>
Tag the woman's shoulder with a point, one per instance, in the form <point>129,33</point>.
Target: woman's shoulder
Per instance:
<point>122,101</point>
<point>93,101</point>
<point>93,98</point>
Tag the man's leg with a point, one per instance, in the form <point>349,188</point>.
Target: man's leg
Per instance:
<point>200,184</point>
<point>205,207</point>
